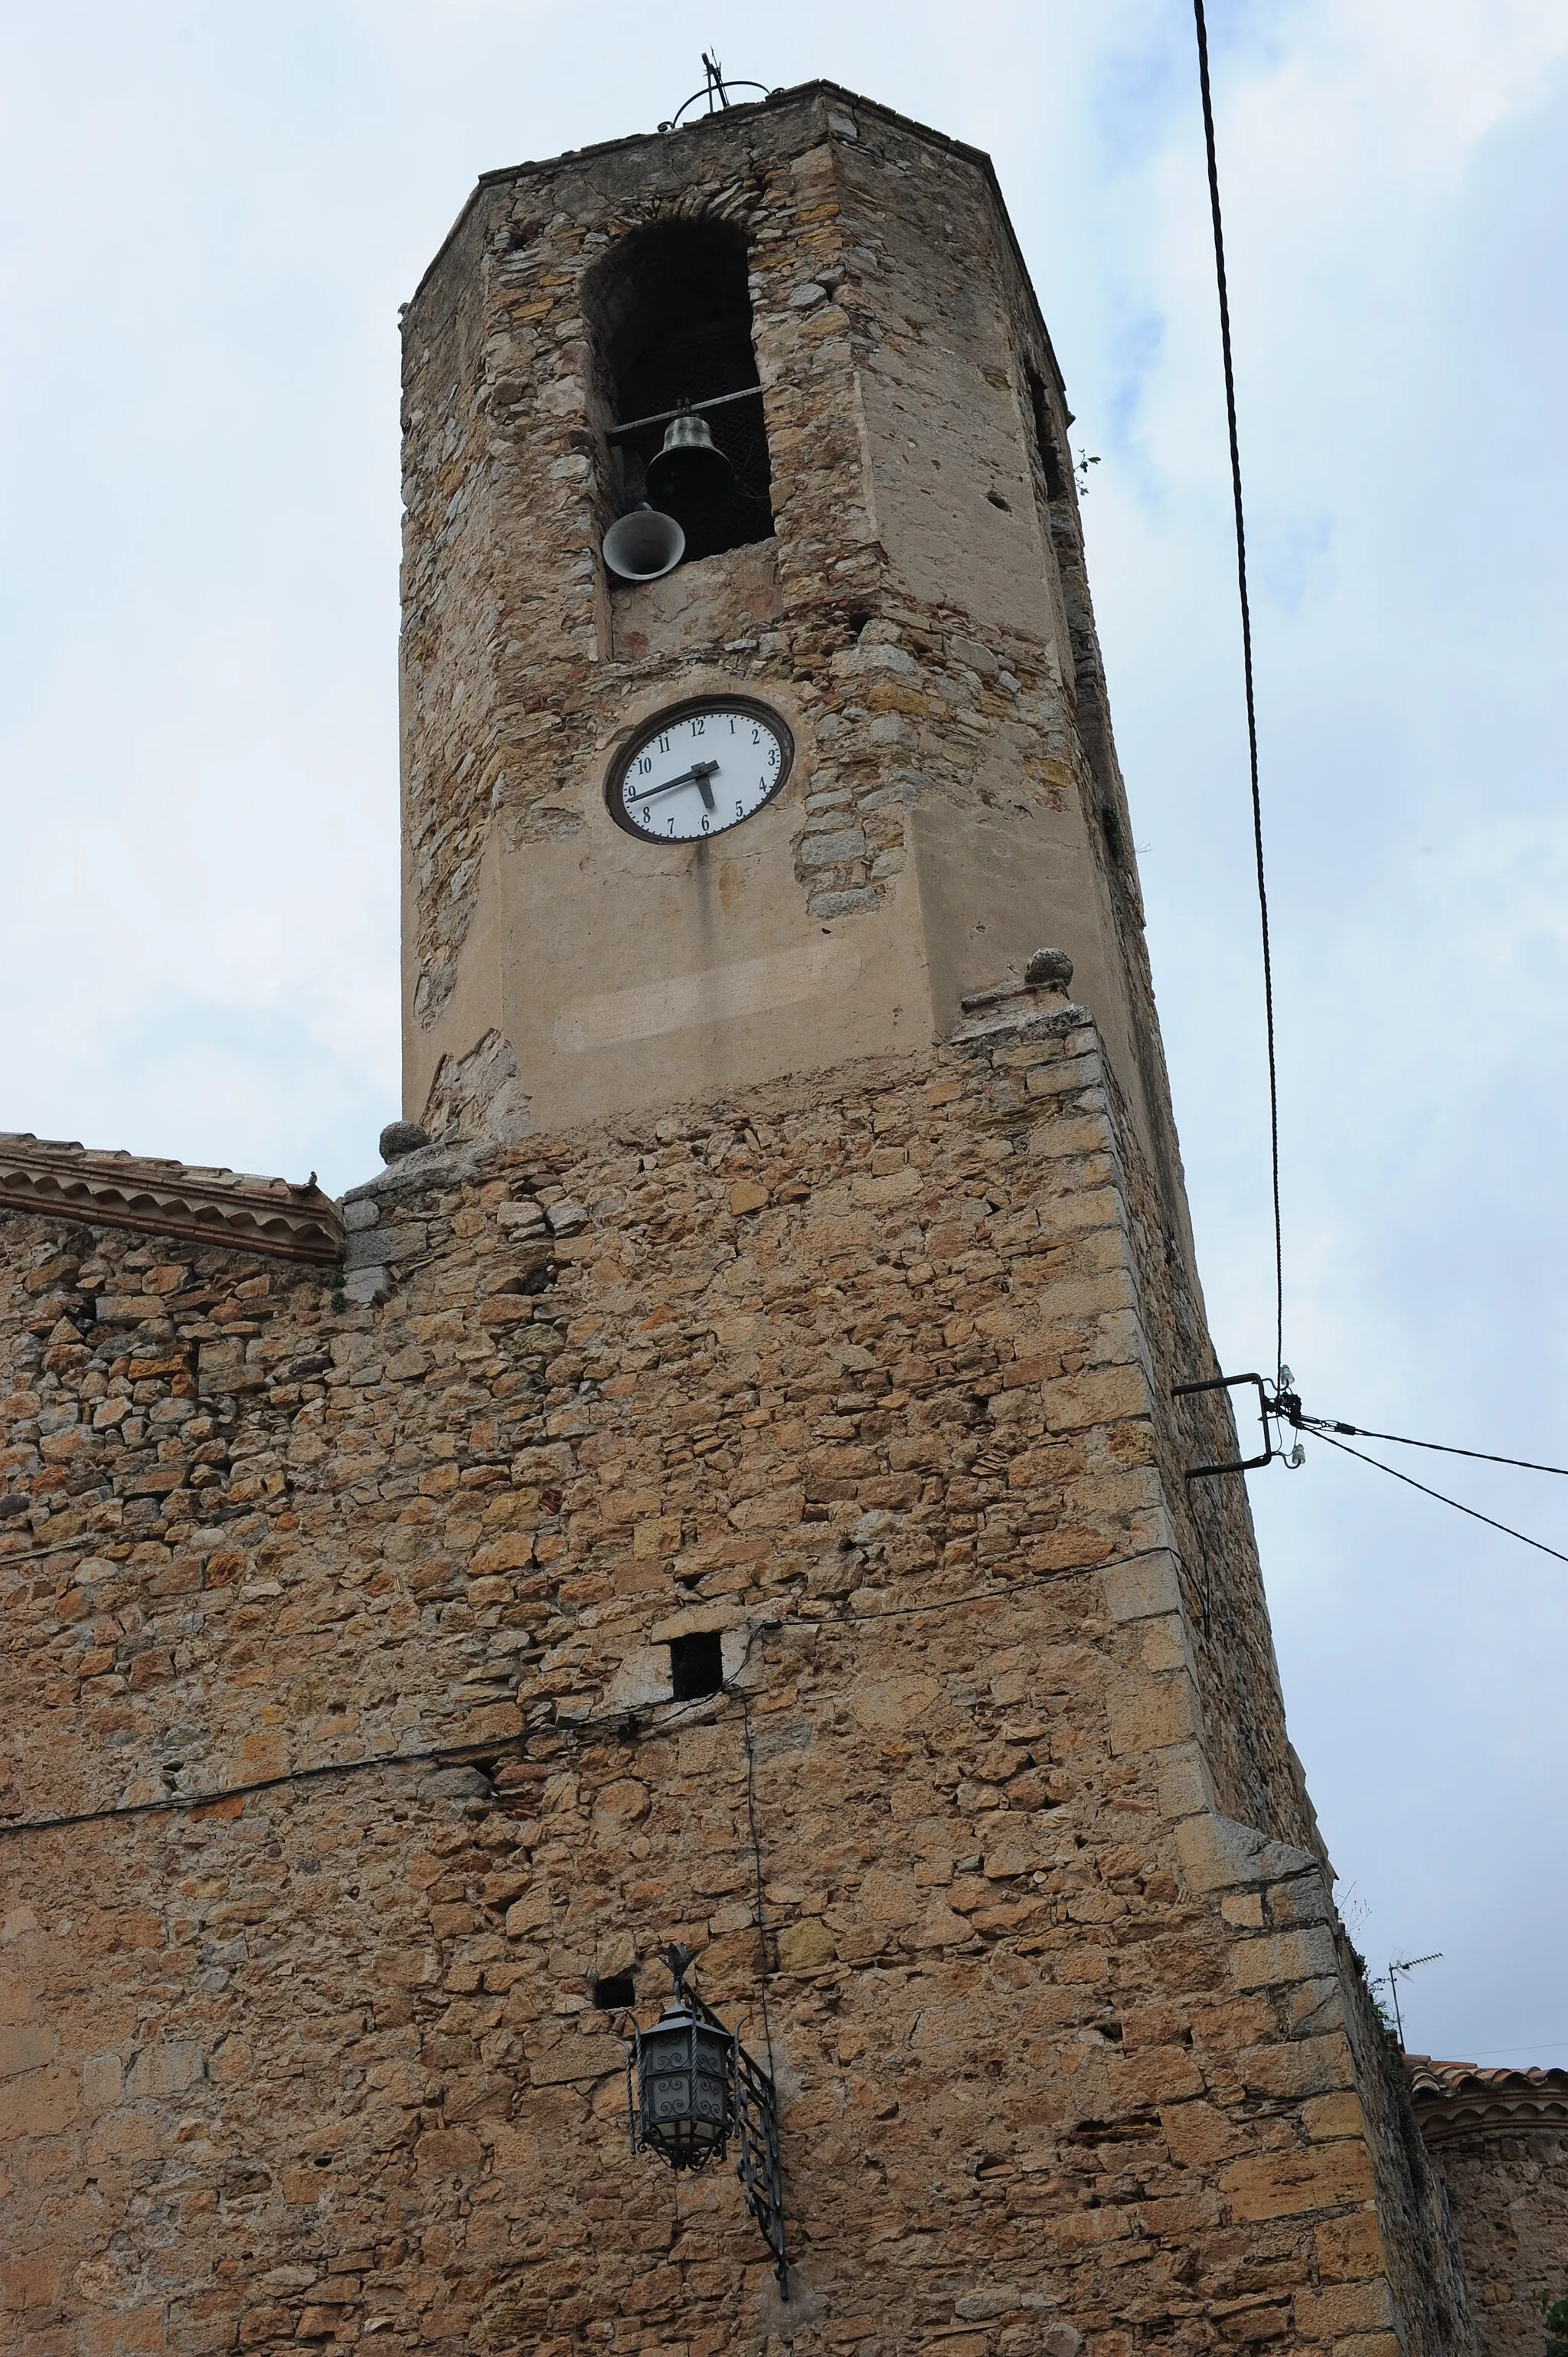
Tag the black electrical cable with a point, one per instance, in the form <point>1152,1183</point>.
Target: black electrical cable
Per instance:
<point>761,1902</point>
<point>452,1755</point>
<point>1476,1516</point>
<point>457,1755</point>
<point>90,1542</point>
<point>976,1596</point>
<point>1326,1426</point>
<point>62,1546</point>
<point>1247,669</point>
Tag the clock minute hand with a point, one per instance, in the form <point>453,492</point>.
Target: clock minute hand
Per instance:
<point>697,775</point>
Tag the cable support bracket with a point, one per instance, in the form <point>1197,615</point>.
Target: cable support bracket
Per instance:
<point>1277,1406</point>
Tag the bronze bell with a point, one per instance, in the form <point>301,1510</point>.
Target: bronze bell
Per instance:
<point>690,473</point>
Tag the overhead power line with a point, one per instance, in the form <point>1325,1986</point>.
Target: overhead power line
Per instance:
<point>1283,1406</point>
<point>1324,1425</point>
<point>1476,1515</point>
<point>1247,669</point>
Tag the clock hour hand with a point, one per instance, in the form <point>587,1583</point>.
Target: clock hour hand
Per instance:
<point>697,775</point>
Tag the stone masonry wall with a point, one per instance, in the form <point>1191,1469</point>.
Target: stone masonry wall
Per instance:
<point>1509,2198</point>
<point>861,1376</point>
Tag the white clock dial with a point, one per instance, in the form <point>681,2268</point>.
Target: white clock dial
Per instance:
<point>699,769</point>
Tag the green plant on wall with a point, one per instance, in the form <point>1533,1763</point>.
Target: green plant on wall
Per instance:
<point>1556,2314</point>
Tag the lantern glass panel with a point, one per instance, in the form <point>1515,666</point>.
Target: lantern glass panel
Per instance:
<point>683,2068</point>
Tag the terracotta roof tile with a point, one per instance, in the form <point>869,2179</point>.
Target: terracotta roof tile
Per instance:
<point>1462,2099</point>
<point>53,1180</point>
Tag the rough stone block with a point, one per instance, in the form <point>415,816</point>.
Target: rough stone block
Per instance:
<point>165,2069</point>
<point>806,1946</point>
<point>1348,2249</point>
<point>1327,2116</point>
<point>1293,2068</point>
<point>531,1913</point>
<point>1289,2184</point>
<point>1151,1712</point>
<point>1137,1591</point>
<point>1340,2310</point>
<point>36,2281</point>
<point>1102,1397</point>
<point>25,2046</point>
<point>1286,1956</point>
<point>37,2102</point>
<point>1217,1853</point>
<point>1197,2133</point>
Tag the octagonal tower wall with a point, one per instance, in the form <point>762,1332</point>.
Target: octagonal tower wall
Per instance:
<point>919,617</point>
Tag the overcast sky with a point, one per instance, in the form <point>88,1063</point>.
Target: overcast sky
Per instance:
<point>210,215</point>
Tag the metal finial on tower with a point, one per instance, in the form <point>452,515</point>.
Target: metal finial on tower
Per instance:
<point>715,89</point>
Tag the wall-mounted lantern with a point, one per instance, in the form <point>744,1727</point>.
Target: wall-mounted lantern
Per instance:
<point>692,2088</point>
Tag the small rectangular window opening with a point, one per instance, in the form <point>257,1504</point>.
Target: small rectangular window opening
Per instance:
<point>616,1993</point>
<point>697,1664</point>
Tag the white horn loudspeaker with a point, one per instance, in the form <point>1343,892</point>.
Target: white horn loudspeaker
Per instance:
<point>644,545</point>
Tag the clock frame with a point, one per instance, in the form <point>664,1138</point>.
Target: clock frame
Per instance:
<point>743,708</point>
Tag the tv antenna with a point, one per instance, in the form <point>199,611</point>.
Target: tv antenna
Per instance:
<point>1407,1966</point>
<point>715,90</point>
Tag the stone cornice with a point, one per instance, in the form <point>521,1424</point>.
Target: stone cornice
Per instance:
<point>1459,2099</point>
<point>230,1209</point>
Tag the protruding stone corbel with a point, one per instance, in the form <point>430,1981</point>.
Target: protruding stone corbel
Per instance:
<point>1037,998</point>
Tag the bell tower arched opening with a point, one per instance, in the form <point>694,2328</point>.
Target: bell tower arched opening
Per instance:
<point>670,313</point>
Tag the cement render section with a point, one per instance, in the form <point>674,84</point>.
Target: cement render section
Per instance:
<point>1063,2045</point>
<point>920,619</point>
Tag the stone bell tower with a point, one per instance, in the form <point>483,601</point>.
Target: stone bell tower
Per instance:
<point>1075,2044</point>
<point>897,572</point>
<point>722,1489</point>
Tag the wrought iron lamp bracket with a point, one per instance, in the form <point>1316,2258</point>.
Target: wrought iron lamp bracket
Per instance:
<point>753,2110</point>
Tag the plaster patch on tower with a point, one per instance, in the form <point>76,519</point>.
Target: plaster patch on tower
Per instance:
<point>724,994</point>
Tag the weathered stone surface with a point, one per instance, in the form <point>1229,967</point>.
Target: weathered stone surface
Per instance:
<point>793,1423</point>
<point>854,1352</point>
<point>1499,2143</point>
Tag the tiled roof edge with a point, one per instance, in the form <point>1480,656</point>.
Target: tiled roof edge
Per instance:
<point>240,1213</point>
<point>1461,2099</point>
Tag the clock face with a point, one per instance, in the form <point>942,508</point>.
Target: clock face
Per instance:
<point>699,769</point>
